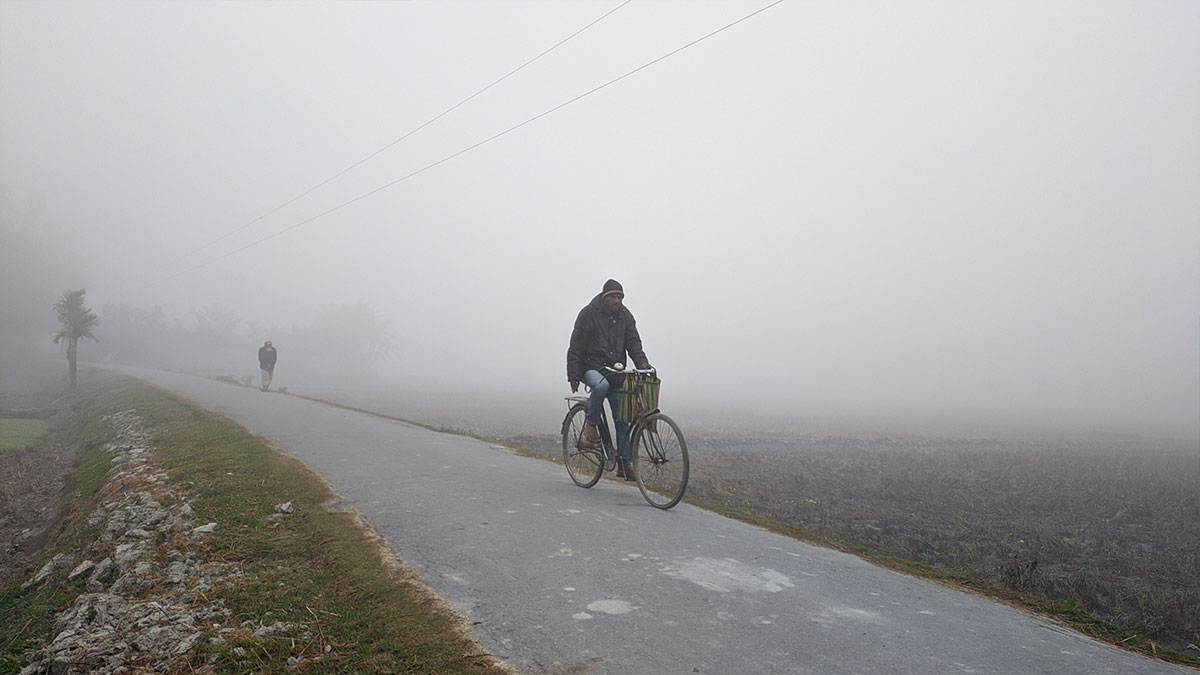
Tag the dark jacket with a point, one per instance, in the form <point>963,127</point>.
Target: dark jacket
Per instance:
<point>602,339</point>
<point>266,358</point>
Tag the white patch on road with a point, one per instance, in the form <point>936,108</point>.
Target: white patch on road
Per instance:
<point>723,576</point>
<point>569,589</point>
<point>581,616</point>
<point>610,607</point>
<point>841,615</point>
<point>563,552</point>
<point>925,611</point>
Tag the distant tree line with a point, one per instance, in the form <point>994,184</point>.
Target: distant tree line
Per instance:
<point>39,258</point>
<point>343,342</point>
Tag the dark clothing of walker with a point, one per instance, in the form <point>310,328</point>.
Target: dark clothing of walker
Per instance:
<point>266,363</point>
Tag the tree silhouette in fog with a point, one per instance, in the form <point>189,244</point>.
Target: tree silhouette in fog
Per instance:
<point>348,339</point>
<point>75,321</point>
<point>138,336</point>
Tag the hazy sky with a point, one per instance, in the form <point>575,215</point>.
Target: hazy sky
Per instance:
<point>937,205</point>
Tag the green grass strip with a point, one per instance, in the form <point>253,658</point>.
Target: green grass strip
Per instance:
<point>21,434</point>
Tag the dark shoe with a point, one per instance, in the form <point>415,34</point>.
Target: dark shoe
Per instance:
<point>591,435</point>
<point>627,473</point>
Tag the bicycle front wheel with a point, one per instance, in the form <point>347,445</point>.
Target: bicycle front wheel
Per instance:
<point>584,464</point>
<point>660,460</point>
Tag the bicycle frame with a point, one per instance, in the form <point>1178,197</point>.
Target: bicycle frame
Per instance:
<point>658,451</point>
<point>640,408</point>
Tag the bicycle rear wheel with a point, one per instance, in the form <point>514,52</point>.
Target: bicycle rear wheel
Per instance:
<point>584,464</point>
<point>660,460</point>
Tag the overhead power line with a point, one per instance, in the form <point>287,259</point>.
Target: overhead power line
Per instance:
<point>435,118</point>
<point>483,142</point>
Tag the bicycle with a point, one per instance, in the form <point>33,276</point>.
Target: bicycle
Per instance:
<point>659,453</point>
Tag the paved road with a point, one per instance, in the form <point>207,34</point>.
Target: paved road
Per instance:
<point>561,579</point>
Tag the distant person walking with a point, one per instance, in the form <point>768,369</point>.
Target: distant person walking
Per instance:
<point>266,363</point>
<point>605,331</point>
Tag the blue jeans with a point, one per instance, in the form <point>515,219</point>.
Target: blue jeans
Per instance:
<point>595,407</point>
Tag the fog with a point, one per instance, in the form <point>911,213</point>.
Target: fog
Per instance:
<point>927,208</point>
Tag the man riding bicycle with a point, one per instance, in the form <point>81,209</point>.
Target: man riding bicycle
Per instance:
<point>605,331</point>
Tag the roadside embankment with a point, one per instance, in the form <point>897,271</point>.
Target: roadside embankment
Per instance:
<point>186,543</point>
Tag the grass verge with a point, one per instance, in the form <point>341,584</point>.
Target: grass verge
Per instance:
<point>319,569</point>
<point>21,434</point>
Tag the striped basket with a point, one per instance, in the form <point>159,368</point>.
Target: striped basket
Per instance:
<point>647,384</point>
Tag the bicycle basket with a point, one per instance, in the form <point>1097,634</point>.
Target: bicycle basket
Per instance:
<point>627,403</point>
<point>650,385</point>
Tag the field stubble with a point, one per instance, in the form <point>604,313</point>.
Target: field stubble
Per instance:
<point>1116,531</point>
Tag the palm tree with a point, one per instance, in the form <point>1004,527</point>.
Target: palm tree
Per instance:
<point>77,321</point>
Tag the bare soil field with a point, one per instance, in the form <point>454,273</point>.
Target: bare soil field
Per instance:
<point>1116,531</point>
<point>32,482</point>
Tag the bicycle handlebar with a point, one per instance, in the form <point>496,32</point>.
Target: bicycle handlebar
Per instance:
<point>620,368</point>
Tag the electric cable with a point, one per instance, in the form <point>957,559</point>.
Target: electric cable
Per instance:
<point>410,133</point>
<point>478,144</point>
